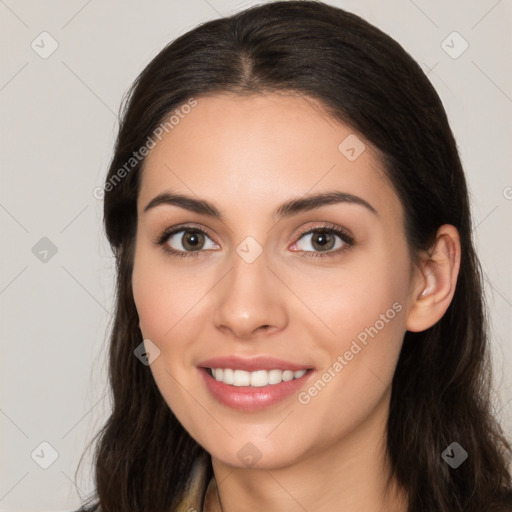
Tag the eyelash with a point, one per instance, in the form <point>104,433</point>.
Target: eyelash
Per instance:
<point>328,228</point>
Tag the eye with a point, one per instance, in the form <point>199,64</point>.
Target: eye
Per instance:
<point>185,241</point>
<point>327,239</point>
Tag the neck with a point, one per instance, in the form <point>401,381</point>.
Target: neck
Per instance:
<point>349,475</point>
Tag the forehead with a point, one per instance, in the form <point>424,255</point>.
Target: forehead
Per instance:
<point>254,151</point>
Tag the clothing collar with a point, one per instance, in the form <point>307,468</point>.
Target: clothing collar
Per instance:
<point>201,494</point>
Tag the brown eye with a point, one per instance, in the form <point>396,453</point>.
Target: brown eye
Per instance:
<point>324,240</point>
<point>188,240</point>
<point>192,240</point>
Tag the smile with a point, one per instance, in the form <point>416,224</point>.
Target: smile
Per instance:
<point>258,378</point>
<point>253,390</point>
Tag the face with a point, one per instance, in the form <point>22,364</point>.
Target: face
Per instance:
<point>319,290</point>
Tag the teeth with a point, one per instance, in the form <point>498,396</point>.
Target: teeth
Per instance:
<point>258,378</point>
<point>228,377</point>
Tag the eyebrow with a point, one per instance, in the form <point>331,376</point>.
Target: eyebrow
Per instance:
<point>286,209</point>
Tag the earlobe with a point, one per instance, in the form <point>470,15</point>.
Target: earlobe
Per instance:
<point>437,279</point>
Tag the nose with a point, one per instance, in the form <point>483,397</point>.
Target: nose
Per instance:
<point>250,300</point>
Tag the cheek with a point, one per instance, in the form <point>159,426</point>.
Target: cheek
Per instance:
<point>148,296</point>
<point>365,310</point>
<point>353,297</point>
<point>167,298</point>
<point>154,293</point>
<point>169,313</point>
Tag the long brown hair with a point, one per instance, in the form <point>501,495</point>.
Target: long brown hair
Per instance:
<point>442,384</point>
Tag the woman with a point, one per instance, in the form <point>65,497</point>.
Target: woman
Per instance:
<point>300,322</point>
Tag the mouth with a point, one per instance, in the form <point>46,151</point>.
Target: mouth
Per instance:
<point>253,384</point>
<point>255,379</point>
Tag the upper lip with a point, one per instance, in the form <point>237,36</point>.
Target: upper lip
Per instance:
<point>251,364</point>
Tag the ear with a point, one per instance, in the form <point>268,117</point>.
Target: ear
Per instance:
<point>434,284</point>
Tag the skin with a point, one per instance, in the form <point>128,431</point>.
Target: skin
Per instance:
<point>247,155</point>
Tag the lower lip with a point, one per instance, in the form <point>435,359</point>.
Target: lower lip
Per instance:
<point>248,398</point>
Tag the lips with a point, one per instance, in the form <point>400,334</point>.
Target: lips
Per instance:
<point>252,364</point>
<point>253,398</point>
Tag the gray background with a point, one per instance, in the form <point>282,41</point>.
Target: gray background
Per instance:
<point>59,120</point>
